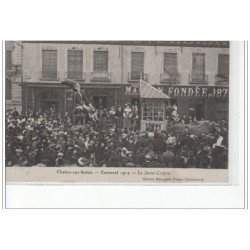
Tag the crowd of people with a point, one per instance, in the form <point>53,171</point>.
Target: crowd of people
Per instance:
<point>110,138</point>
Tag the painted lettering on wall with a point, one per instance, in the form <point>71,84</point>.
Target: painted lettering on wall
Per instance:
<point>186,91</point>
<point>195,91</point>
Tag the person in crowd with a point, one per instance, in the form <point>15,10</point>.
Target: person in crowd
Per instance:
<point>119,117</point>
<point>135,117</point>
<point>127,115</point>
<point>111,116</point>
<point>50,139</point>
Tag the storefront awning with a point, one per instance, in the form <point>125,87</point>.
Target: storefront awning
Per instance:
<point>147,91</point>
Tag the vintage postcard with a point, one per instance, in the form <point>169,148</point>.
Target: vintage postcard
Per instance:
<point>146,112</point>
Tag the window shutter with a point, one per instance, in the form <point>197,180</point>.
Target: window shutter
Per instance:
<point>137,64</point>
<point>49,64</point>
<point>223,65</point>
<point>198,68</point>
<point>170,63</point>
<point>75,64</point>
<point>8,59</point>
<point>100,61</point>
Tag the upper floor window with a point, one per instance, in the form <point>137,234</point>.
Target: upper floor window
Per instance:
<point>137,65</point>
<point>223,65</point>
<point>170,63</point>
<point>198,68</point>
<point>100,61</point>
<point>170,69</point>
<point>49,64</point>
<point>75,64</point>
<point>8,59</point>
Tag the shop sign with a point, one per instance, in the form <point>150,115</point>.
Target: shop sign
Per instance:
<point>196,91</point>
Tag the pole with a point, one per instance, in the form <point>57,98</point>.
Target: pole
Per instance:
<point>140,103</point>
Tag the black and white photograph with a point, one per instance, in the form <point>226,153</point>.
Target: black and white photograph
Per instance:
<point>80,108</point>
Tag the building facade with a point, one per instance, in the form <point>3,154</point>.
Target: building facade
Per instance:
<point>13,75</point>
<point>194,74</point>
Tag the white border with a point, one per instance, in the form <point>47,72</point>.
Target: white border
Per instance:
<point>108,196</point>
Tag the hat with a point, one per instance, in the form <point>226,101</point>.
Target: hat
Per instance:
<point>18,150</point>
<point>83,161</point>
<point>60,154</point>
<point>151,135</point>
<point>124,149</point>
<point>142,134</point>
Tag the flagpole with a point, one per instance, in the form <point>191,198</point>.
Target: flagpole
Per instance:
<point>140,103</point>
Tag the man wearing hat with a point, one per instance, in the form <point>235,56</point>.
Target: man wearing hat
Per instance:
<point>127,115</point>
<point>168,158</point>
<point>59,160</point>
<point>119,117</point>
<point>18,158</point>
<point>31,159</point>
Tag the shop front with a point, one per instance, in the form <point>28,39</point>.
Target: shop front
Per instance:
<point>202,102</point>
<point>46,95</point>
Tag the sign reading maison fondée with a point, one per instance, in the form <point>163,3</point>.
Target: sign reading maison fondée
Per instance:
<point>186,91</point>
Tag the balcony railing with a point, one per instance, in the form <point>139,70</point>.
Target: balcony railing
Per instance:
<point>136,76</point>
<point>222,79</point>
<point>100,77</point>
<point>170,79</point>
<point>49,75</point>
<point>75,75</point>
<point>194,79</point>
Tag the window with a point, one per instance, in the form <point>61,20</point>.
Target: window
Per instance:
<point>49,64</point>
<point>221,110</point>
<point>170,63</point>
<point>75,64</point>
<point>223,65</point>
<point>8,89</point>
<point>100,61</point>
<point>137,65</point>
<point>153,111</point>
<point>198,67</point>
<point>8,59</point>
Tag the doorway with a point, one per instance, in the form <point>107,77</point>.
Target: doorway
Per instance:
<point>46,105</point>
<point>100,101</point>
<point>48,100</point>
<point>196,109</point>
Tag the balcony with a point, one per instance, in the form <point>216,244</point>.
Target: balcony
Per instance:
<point>49,76</point>
<point>222,79</point>
<point>202,79</point>
<point>170,79</point>
<point>100,77</point>
<point>136,76</point>
<point>75,75</point>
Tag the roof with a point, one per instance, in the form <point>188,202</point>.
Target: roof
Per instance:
<point>147,91</point>
<point>211,44</point>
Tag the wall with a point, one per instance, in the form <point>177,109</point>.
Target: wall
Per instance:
<point>120,60</point>
<point>15,76</point>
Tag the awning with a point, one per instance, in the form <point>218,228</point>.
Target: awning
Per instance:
<point>147,91</point>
